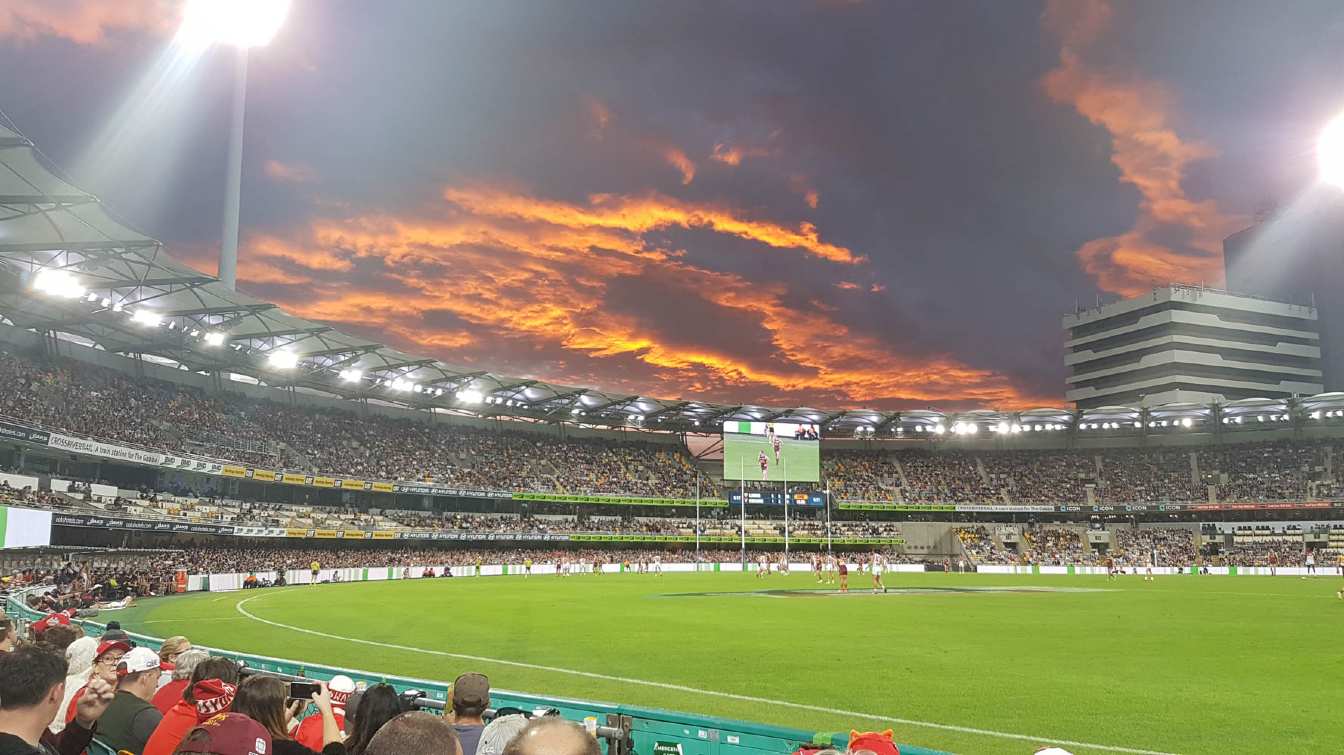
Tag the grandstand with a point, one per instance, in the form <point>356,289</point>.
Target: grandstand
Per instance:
<point>186,438</point>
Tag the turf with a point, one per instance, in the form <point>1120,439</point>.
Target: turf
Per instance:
<point>1183,664</point>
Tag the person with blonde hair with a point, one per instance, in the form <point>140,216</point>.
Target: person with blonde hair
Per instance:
<point>168,653</point>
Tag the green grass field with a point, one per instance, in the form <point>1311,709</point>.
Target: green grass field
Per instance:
<point>1184,664</point>
<point>800,460</point>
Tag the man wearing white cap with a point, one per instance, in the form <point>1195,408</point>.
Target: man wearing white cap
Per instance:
<point>131,719</point>
<point>309,733</point>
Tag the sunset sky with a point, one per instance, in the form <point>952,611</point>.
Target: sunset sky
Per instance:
<point>830,203</point>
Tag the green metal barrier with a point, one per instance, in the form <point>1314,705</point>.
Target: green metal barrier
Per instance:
<point>696,734</point>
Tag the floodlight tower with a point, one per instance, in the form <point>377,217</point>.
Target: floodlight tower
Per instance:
<point>241,24</point>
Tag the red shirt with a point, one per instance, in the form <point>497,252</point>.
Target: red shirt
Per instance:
<point>309,733</point>
<point>179,720</point>
<point>169,695</point>
<point>74,705</point>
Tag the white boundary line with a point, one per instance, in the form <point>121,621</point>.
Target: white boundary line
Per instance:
<point>694,690</point>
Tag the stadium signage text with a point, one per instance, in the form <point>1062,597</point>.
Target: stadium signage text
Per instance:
<point>11,431</point>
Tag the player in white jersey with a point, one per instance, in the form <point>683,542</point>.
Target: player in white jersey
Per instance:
<point>1148,569</point>
<point>879,564</point>
<point>658,565</point>
<point>829,567</point>
<point>763,566</point>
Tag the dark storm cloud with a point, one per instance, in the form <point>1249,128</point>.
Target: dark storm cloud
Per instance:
<point>849,203</point>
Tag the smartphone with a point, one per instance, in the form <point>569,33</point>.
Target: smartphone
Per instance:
<point>303,690</point>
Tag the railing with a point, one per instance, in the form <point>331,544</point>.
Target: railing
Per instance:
<point>625,729</point>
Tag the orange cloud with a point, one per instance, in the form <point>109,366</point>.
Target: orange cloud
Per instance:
<point>678,159</point>
<point>651,212</point>
<point>288,172</point>
<point>1150,155</point>
<point>495,273</point>
<point>812,198</point>
<point>85,22</point>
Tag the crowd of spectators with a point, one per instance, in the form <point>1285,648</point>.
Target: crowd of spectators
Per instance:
<point>1167,546</point>
<point>61,691</point>
<point>1056,546</point>
<point>103,403</point>
<point>861,476</point>
<point>980,547</point>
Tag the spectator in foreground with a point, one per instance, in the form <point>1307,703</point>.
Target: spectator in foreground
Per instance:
<point>79,662</point>
<point>551,735</point>
<point>168,653</point>
<point>7,635</point>
<point>470,696</point>
<point>264,700</point>
<point>309,733</point>
<point>130,720</point>
<point>416,733</point>
<point>213,686</point>
<point>31,680</point>
<point>105,660</point>
<point>59,637</point>
<point>227,734</point>
<point>183,667</point>
<point>378,705</point>
<point>499,733</point>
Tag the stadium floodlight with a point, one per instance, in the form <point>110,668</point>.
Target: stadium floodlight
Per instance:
<point>59,283</point>
<point>117,307</point>
<point>238,23</point>
<point>283,360</point>
<point>214,338</point>
<point>1330,152</point>
<point>146,317</point>
<point>104,302</point>
<point>351,375</point>
<point>91,298</point>
<point>938,429</point>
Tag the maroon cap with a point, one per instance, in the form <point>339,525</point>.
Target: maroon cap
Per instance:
<point>227,734</point>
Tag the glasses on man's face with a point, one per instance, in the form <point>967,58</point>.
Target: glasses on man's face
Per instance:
<point>108,660</point>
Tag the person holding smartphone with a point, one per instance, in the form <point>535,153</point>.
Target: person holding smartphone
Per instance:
<point>266,700</point>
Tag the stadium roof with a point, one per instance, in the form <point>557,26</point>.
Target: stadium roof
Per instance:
<point>70,269</point>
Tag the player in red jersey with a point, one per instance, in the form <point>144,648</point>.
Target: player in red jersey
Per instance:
<point>843,569</point>
<point>765,465</point>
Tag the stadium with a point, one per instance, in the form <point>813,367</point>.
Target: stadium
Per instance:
<point>184,465</point>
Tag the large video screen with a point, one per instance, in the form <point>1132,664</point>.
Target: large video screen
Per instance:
<point>771,451</point>
<point>24,528</point>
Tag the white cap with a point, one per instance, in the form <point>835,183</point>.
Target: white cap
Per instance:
<point>341,687</point>
<point>137,660</point>
<point>499,732</point>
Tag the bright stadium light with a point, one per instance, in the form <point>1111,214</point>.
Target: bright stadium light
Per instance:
<point>237,23</point>
<point>146,317</point>
<point>241,24</point>
<point>214,338</point>
<point>59,283</point>
<point>1187,422</point>
<point>283,360</point>
<point>351,375</point>
<point>1330,152</point>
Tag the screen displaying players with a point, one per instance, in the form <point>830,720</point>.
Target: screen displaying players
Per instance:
<point>771,452</point>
